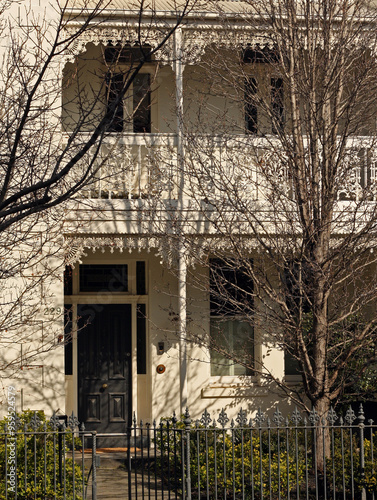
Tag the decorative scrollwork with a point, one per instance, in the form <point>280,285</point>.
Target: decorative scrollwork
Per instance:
<point>296,417</point>
<point>331,416</point>
<point>54,421</point>
<point>206,419</point>
<point>350,416</point>
<point>259,417</point>
<point>241,418</point>
<point>72,422</point>
<point>223,418</point>
<point>313,417</point>
<point>35,422</point>
<point>278,418</point>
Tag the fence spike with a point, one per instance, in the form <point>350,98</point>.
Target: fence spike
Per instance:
<point>72,422</point>
<point>54,421</point>
<point>331,416</point>
<point>206,418</point>
<point>313,417</point>
<point>241,418</point>
<point>259,417</point>
<point>278,418</point>
<point>35,421</point>
<point>361,415</point>
<point>187,420</point>
<point>296,417</point>
<point>350,416</point>
<point>223,418</point>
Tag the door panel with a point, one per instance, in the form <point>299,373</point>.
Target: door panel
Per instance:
<point>104,366</point>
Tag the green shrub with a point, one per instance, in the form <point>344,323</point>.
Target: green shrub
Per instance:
<point>231,461</point>
<point>32,447</point>
<point>351,461</point>
<point>242,462</point>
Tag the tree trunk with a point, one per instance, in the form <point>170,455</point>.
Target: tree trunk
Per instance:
<point>322,433</point>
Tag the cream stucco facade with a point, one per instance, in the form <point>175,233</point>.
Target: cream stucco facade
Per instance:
<point>131,215</point>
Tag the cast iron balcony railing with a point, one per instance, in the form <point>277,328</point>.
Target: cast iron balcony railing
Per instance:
<point>133,166</point>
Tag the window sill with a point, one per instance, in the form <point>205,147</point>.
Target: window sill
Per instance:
<point>234,387</point>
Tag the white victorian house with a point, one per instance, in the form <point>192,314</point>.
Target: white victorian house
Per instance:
<point>134,289</point>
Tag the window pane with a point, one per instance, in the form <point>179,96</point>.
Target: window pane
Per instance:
<point>251,111</point>
<point>277,104</point>
<point>99,277</point>
<point>68,280</point>
<point>141,288</point>
<point>236,338</point>
<point>142,103</point>
<point>231,288</point>
<point>291,366</point>
<point>114,87</point>
<point>68,353</point>
<point>141,340</point>
<point>128,55</point>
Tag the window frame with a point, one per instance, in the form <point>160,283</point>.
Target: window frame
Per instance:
<point>219,313</point>
<point>126,108</point>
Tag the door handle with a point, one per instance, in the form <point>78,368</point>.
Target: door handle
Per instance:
<point>104,386</point>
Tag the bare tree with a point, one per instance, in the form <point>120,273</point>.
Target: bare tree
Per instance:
<point>286,189</point>
<point>44,164</point>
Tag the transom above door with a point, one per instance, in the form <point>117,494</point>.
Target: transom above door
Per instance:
<point>124,278</point>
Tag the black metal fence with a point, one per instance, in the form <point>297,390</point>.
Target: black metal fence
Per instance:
<point>296,457</point>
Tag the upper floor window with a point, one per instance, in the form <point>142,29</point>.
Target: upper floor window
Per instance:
<point>133,112</point>
<point>264,93</point>
<point>277,104</point>
<point>251,109</point>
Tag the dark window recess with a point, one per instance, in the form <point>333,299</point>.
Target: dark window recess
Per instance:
<point>141,340</point>
<point>297,280</point>
<point>259,55</point>
<point>96,277</point>
<point>68,272</point>
<point>251,110</point>
<point>291,364</point>
<point>127,54</point>
<point>277,104</point>
<point>231,288</point>
<point>68,354</point>
<point>114,84</point>
<point>142,103</point>
<point>141,288</point>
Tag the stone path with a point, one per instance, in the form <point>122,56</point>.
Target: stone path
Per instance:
<point>112,480</point>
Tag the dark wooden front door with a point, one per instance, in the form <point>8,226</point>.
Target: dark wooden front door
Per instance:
<point>104,366</point>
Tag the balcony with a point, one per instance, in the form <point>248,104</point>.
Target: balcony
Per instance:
<point>135,166</point>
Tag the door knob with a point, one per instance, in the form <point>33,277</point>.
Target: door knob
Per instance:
<point>104,386</point>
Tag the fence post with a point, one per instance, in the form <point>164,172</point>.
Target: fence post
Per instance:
<point>361,418</point>
<point>94,465</point>
<point>187,422</point>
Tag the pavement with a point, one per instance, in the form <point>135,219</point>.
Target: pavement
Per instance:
<point>112,478</point>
